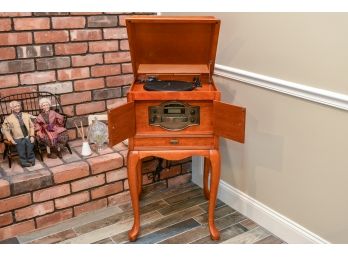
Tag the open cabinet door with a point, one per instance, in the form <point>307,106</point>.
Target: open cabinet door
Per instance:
<point>229,121</point>
<point>121,123</point>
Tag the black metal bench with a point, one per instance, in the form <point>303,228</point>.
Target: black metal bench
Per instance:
<point>30,104</point>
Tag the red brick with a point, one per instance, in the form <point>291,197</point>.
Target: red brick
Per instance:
<point>121,80</point>
<point>107,190</point>
<point>90,107</point>
<point>15,202</point>
<point>30,181</point>
<point>103,46</point>
<point>7,53</point>
<point>51,36</point>
<point>16,229</point>
<point>14,14</point>
<point>85,35</point>
<point>116,175</point>
<point>72,200</point>
<point>88,84</point>
<point>31,23</point>
<point>119,198</point>
<point>34,210</point>
<point>105,70</point>
<point>122,19</point>
<point>117,57</point>
<point>21,38</point>
<point>70,171</point>
<point>52,63</point>
<point>5,24</point>
<point>75,73</point>
<point>71,48</point>
<point>102,21</point>
<point>87,60</point>
<point>115,33</point>
<point>37,77</point>
<point>8,81</point>
<point>126,184</point>
<point>91,206</point>
<point>179,180</point>
<point>171,172</point>
<point>69,110</point>
<point>15,66</point>
<point>105,162</point>
<point>53,218</point>
<point>127,68</point>
<point>85,13</point>
<point>68,22</point>
<point>72,134</point>
<point>17,90</point>
<point>124,45</point>
<point>51,193</point>
<point>4,188</point>
<point>147,180</point>
<point>74,98</point>
<point>32,51</point>
<point>6,219</point>
<point>88,183</point>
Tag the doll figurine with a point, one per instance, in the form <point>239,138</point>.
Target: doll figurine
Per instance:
<point>19,130</point>
<point>50,131</point>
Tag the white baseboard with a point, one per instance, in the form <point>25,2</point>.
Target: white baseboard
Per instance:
<point>277,224</point>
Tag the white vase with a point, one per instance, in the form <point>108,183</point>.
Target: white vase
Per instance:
<point>86,149</point>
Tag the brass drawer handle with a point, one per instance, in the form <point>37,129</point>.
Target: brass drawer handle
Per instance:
<point>174,141</point>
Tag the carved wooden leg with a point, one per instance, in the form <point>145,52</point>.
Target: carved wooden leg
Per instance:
<point>205,178</point>
<point>140,178</point>
<point>133,158</point>
<point>214,183</point>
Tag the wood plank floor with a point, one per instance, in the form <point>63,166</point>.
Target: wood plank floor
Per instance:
<point>168,216</point>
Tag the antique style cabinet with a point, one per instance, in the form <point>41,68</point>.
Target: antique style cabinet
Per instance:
<point>174,123</point>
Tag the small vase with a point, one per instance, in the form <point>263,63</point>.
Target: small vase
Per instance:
<point>86,149</point>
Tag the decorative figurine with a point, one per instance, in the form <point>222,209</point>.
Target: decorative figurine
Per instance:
<point>19,130</point>
<point>50,131</point>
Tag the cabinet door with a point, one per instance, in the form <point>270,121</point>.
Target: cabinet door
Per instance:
<point>121,123</point>
<point>229,121</point>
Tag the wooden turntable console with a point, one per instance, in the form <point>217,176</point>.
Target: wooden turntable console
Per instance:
<point>174,124</point>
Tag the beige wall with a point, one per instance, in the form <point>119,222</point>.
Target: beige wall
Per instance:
<point>294,159</point>
<point>306,48</point>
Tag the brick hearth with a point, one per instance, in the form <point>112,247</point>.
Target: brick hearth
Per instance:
<point>59,189</point>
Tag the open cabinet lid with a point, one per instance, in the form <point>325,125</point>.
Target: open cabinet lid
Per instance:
<point>173,44</point>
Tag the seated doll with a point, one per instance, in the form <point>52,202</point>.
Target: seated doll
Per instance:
<point>49,128</point>
<point>19,130</point>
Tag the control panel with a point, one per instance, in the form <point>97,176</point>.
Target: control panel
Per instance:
<point>174,115</point>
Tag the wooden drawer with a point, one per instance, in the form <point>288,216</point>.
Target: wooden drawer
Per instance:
<point>205,142</point>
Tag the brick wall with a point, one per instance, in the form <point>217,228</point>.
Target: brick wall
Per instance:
<point>84,57</point>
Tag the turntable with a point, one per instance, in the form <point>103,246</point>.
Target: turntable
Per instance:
<point>173,108</point>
